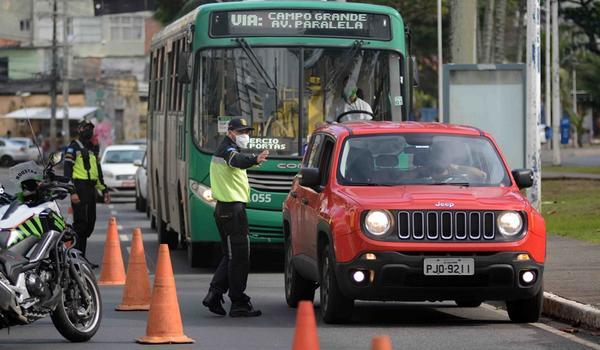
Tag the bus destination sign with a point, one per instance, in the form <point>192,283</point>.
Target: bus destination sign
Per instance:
<point>299,23</point>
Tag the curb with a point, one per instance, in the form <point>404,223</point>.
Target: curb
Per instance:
<point>571,311</point>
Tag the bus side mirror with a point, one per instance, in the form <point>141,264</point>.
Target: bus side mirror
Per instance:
<point>415,70</point>
<point>184,68</point>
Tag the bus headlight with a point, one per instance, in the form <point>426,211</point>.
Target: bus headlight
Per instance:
<point>202,192</point>
<point>378,222</point>
<point>509,223</point>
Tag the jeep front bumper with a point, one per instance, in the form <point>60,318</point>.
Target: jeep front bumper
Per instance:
<point>399,276</point>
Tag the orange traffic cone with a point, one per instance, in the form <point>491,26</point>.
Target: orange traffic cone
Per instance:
<point>136,294</point>
<point>164,319</point>
<point>113,270</point>
<point>381,343</point>
<point>305,337</point>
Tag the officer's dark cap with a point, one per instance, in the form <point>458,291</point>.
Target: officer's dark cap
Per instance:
<point>238,124</point>
<point>84,124</point>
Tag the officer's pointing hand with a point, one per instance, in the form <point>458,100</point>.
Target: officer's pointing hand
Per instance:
<point>262,156</point>
<point>75,198</point>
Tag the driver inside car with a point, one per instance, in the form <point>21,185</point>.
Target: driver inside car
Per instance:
<point>440,167</point>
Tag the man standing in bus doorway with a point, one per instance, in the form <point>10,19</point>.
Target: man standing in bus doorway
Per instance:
<point>82,167</point>
<point>231,189</point>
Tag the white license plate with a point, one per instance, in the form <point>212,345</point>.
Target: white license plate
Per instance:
<point>449,267</point>
<point>128,183</point>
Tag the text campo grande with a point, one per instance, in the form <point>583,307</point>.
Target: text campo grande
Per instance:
<point>302,20</point>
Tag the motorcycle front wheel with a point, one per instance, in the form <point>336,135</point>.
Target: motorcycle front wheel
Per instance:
<point>74,318</point>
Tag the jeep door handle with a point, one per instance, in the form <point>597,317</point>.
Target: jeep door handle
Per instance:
<point>293,194</point>
<point>304,201</point>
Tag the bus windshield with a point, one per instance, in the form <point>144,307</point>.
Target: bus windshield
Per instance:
<point>270,87</point>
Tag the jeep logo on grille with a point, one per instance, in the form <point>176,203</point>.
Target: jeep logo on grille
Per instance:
<point>444,204</point>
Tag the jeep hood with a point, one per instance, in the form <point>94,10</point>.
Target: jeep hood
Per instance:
<point>435,197</point>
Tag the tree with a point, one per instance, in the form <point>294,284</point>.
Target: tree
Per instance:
<point>585,14</point>
<point>169,10</point>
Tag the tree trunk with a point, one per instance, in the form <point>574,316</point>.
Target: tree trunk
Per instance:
<point>463,26</point>
<point>520,14</point>
<point>499,56</point>
<point>487,31</point>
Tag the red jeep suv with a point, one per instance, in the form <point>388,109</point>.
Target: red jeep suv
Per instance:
<point>411,211</point>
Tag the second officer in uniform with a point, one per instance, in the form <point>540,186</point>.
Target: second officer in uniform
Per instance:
<point>82,167</point>
<point>231,189</point>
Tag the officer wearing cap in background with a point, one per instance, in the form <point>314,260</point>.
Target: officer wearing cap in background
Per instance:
<point>82,167</point>
<point>231,189</point>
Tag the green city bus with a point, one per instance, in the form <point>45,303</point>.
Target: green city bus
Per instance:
<point>281,65</point>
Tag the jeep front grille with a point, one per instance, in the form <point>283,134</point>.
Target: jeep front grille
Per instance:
<point>435,225</point>
<point>267,181</point>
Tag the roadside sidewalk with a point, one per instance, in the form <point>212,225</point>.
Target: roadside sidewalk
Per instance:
<point>572,273</point>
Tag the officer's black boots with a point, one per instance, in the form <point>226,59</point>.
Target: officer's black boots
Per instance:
<point>214,302</point>
<point>243,309</point>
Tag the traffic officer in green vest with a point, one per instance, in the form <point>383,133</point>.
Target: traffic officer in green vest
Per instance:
<point>231,189</point>
<point>82,167</point>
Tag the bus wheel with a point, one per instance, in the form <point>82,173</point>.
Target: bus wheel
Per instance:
<point>166,236</point>
<point>200,254</point>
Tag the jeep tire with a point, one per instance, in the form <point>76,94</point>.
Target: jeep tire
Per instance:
<point>335,307</point>
<point>297,288</point>
<point>526,310</point>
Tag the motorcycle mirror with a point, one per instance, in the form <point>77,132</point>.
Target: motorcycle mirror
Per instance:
<point>56,158</point>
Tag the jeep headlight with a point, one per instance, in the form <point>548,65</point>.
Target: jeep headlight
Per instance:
<point>509,223</point>
<point>378,222</point>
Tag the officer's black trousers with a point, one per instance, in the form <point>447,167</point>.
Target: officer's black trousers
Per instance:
<point>232,272</point>
<point>84,212</point>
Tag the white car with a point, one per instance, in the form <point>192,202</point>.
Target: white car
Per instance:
<point>141,185</point>
<point>30,146</point>
<point>12,152</point>
<point>118,168</point>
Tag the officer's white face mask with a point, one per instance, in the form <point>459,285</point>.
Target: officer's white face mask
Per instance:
<point>242,140</point>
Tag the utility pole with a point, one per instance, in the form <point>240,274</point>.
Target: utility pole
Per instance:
<point>53,79</point>
<point>556,112</point>
<point>65,80</point>
<point>463,26</point>
<point>533,100</point>
<point>574,77</point>
<point>440,63</point>
<point>548,78</point>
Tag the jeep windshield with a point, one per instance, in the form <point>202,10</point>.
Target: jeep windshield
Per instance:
<point>418,159</point>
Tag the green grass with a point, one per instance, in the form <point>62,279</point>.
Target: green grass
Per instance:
<point>571,208</point>
<point>571,169</point>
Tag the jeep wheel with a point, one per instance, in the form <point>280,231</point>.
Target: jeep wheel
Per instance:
<point>297,288</point>
<point>526,310</point>
<point>335,307</point>
<point>467,303</point>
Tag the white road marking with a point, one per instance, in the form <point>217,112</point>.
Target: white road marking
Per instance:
<point>124,238</point>
<point>119,227</point>
<point>128,250</point>
<point>547,328</point>
<point>111,206</point>
<point>113,212</point>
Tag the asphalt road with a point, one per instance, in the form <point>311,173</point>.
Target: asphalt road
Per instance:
<point>410,325</point>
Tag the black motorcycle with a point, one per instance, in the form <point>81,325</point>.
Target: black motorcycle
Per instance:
<point>40,273</point>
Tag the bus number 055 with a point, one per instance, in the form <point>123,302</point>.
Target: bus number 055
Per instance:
<point>261,198</point>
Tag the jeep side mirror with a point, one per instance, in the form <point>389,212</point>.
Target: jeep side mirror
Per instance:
<point>310,177</point>
<point>523,177</point>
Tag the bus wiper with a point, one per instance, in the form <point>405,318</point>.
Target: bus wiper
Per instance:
<point>347,58</point>
<point>256,62</point>
<point>462,184</point>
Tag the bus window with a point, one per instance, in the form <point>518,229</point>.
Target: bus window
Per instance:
<point>329,72</point>
<point>233,86</point>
